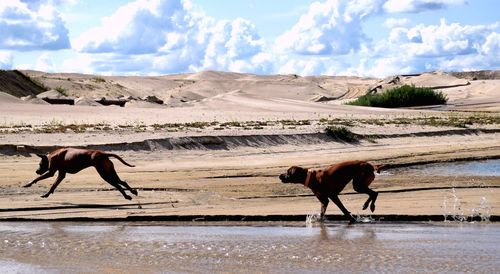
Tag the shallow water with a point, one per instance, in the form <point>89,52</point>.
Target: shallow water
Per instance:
<point>470,168</point>
<point>262,247</point>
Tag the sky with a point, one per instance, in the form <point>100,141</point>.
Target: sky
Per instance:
<point>374,38</point>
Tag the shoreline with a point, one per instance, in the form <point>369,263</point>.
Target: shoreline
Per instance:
<point>197,219</point>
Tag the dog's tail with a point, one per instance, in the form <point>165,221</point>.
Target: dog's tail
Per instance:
<point>379,168</point>
<point>119,158</point>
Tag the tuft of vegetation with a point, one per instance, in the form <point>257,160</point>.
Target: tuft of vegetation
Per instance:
<point>403,96</point>
<point>98,79</point>
<point>61,90</point>
<point>342,133</point>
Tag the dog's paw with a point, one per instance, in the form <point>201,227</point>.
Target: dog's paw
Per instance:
<point>27,185</point>
<point>45,195</point>
<point>127,197</point>
<point>372,207</point>
<point>133,191</point>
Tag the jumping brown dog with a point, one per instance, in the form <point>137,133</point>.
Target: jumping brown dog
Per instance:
<point>72,160</point>
<point>329,182</point>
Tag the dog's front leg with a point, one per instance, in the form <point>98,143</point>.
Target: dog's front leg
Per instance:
<point>342,208</point>
<point>324,205</point>
<point>46,175</point>
<point>60,177</point>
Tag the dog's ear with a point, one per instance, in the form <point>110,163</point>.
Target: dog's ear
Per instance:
<point>41,155</point>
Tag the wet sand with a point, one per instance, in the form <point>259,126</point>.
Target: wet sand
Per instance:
<point>261,248</point>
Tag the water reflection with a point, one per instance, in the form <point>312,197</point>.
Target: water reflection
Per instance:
<point>233,248</point>
<point>469,168</point>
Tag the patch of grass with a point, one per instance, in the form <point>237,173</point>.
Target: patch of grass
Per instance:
<point>342,133</point>
<point>295,123</point>
<point>231,124</point>
<point>200,125</point>
<point>337,121</point>
<point>77,128</point>
<point>404,96</point>
<point>157,126</point>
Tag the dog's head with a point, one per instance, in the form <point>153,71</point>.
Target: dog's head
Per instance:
<point>43,166</point>
<point>294,175</point>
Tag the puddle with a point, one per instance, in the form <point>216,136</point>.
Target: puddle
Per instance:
<point>472,168</point>
<point>263,248</point>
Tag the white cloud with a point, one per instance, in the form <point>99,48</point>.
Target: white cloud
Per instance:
<point>333,27</point>
<point>330,38</point>
<point>81,63</point>
<point>309,66</point>
<point>24,28</point>
<point>231,45</point>
<point>5,60</point>
<point>171,36</point>
<point>449,47</point>
<point>168,36</point>
<point>443,39</point>
<point>492,45</point>
<point>396,22</point>
<point>45,63</point>
<point>139,27</point>
<point>413,6</point>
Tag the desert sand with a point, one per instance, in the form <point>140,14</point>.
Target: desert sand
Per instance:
<point>218,142</point>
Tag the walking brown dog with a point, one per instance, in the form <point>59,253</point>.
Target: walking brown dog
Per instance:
<point>73,160</point>
<point>329,182</point>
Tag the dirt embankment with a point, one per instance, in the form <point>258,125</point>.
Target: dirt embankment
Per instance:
<point>15,83</point>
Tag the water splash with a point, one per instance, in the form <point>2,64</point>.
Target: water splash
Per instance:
<point>483,211</point>
<point>452,206</point>
<point>364,219</point>
<point>454,210</point>
<point>312,218</point>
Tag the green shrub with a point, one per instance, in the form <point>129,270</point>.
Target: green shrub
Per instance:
<point>404,96</point>
<point>342,133</point>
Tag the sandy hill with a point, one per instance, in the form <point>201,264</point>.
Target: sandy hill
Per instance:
<point>203,86</point>
<point>479,90</point>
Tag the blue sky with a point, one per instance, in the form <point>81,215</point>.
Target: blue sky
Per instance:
<point>326,37</point>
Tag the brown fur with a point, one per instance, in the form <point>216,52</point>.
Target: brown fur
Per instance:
<point>329,182</point>
<point>73,160</point>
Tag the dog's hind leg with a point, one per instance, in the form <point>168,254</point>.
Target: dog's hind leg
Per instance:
<point>123,183</point>
<point>108,173</point>
<point>361,186</point>
<point>371,200</point>
<point>115,178</point>
<point>59,179</point>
